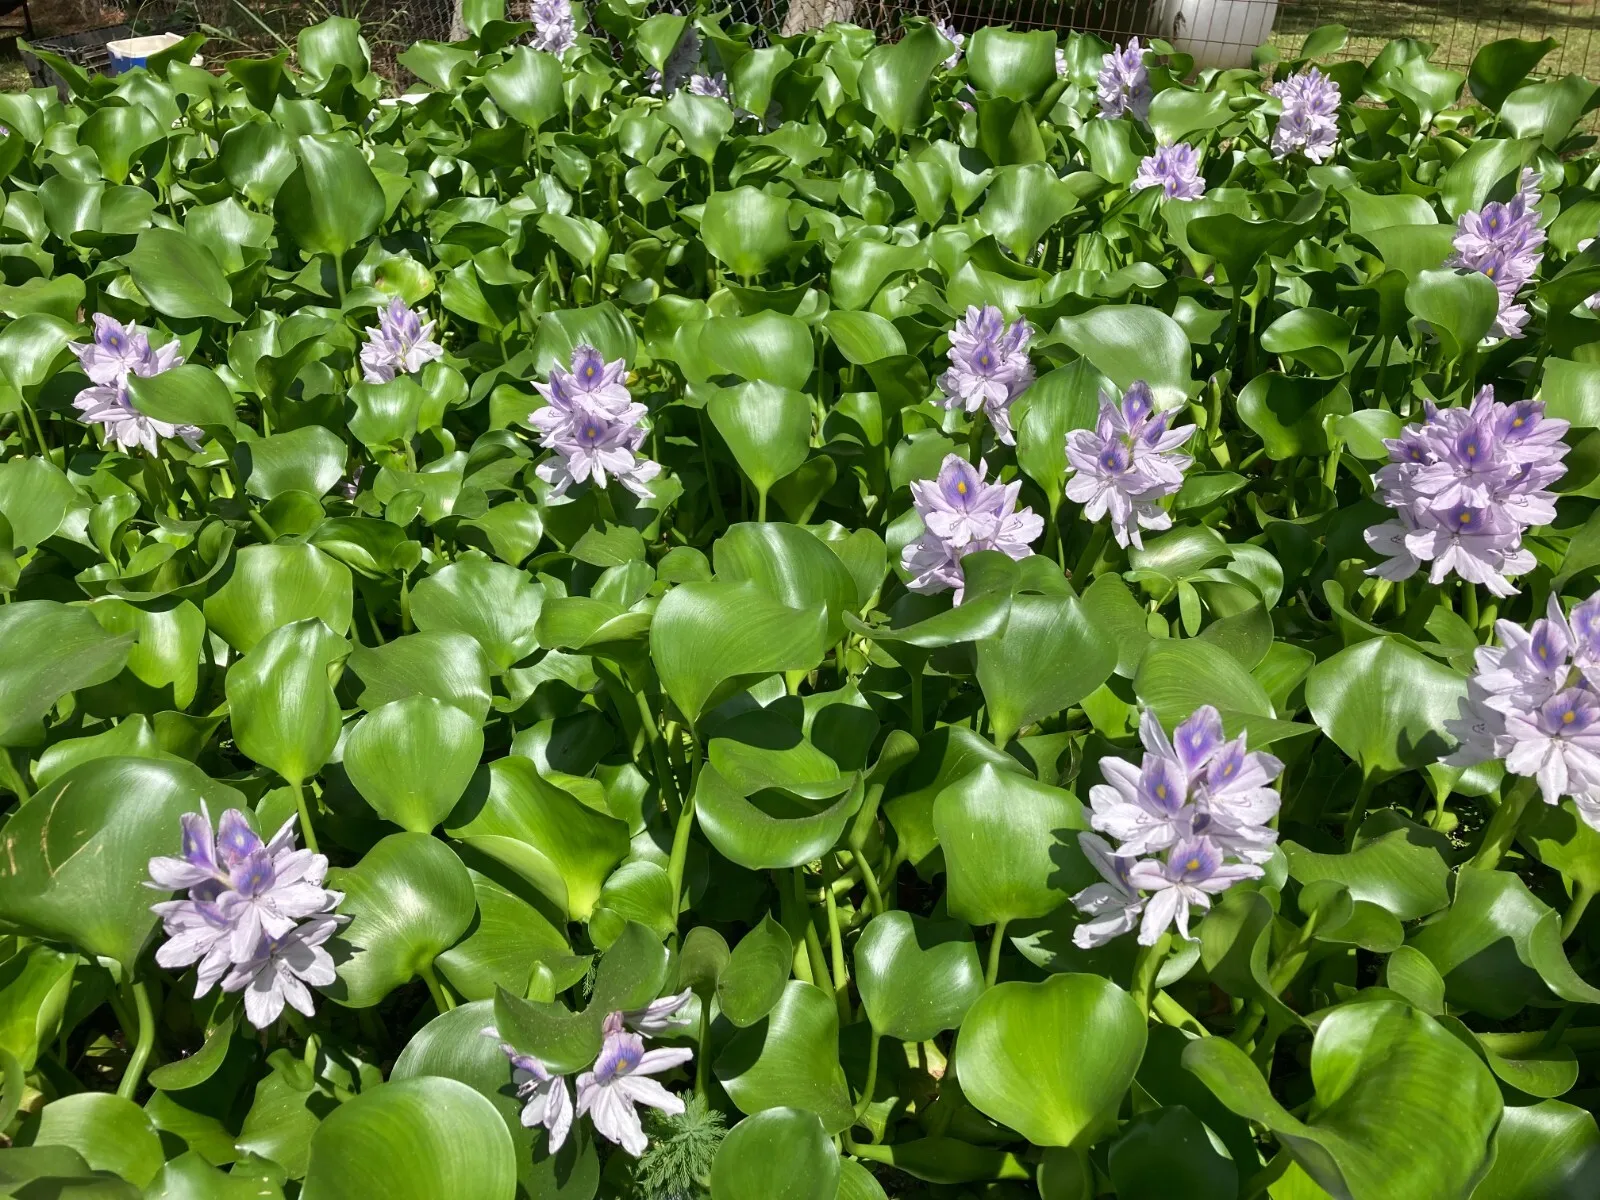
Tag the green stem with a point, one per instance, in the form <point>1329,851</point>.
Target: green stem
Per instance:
<point>991,972</point>
<point>11,777</point>
<point>841,972</point>
<point>1581,895</point>
<point>702,1066</point>
<point>916,702</point>
<point>1358,811</point>
<point>441,997</point>
<point>1176,1015</point>
<point>872,1078</point>
<point>680,844</point>
<point>338,277</point>
<point>1502,830</point>
<point>1254,1014</point>
<point>1145,968</point>
<point>870,878</point>
<point>307,830</point>
<point>38,430</point>
<point>1268,1175</point>
<point>1091,552</point>
<point>142,1047</point>
<point>814,955</point>
<point>711,470</point>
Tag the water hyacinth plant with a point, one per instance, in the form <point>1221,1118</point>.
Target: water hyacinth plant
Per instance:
<point>1086,687</point>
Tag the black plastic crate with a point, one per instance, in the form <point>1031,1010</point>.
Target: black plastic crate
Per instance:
<point>86,49</point>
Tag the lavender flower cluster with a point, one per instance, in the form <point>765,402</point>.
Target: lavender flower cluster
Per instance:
<point>962,514</point>
<point>955,37</point>
<point>1175,169</point>
<point>1535,702</point>
<point>1310,120</point>
<point>681,65</point>
<point>1127,463</point>
<point>1504,242</point>
<point>255,917</point>
<point>117,352</point>
<point>1464,485</point>
<point>989,366</point>
<point>400,343</point>
<point>593,425</point>
<point>1192,819</point>
<point>554,30</point>
<point>1124,84</point>
<point>611,1089</point>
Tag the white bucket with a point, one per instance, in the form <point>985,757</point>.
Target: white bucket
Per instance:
<point>128,53</point>
<point>1219,33</point>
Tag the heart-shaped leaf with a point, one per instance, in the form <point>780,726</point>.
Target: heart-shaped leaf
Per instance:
<point>1051,1060</point>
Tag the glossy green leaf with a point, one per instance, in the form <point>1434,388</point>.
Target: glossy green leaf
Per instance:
<point>412,759</point>
<point>111,1133</point>
<point>281,704</point>
<point>332,201</point>
<point>710,639</point>
<point>1049,656</point>
<point>1051,1060</point>
<point>422,1137</point>
<point>790,1059</point>
<point>83,881</point>
<point>179,277</point>
<point>746,229</point>
<point>1385,704</point>
<point>560,846</point>
<point>409,898</point>
<point>496,604</point>
<point>917,977</point>
<point>781,1153</point>
<point>767,427</point>
<point>1010,846</point>
<point>1379,1129</point>
<point>46,651</point>
<point>273,586</point>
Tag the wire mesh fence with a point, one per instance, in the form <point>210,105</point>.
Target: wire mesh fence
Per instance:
<point>1221,32</point>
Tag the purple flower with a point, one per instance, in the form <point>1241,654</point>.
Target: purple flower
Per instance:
<point>1124,85</point>
<point>989,366</point>
<point>660,1016</point>
<point>255,917</point>
<point>715,86</point>
<point>544,1095</point>
<point>957,39</point>
<point>118,352</point>
<point>681,64</point>
<point>620,1080</point>
<point>1061,63</point>
<point>398,344</point>
<point>1593,302</point>
<point>1534,702</point>
<point>1465,484</point>
<point>1310,120</point>
<point>1192,872</point>
<point>961,514</point>
<point>593,425</point>
<point>554,30</point>
<point>1191,820</point>
<point>281,968</point>
<point>1127,463</point>
<point>1504,242</point>
<point>1175,169</point>
<point>1114,905</point>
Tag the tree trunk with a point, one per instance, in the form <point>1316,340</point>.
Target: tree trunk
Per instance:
<point>814,14</point>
